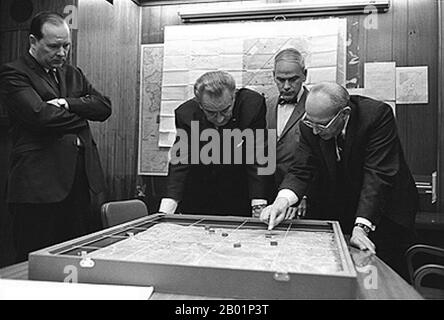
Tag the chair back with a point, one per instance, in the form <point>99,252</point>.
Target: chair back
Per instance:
<point>426,270</point>
<point>118,212</point>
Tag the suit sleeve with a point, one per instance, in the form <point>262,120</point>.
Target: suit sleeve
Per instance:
<point>25,105</point>
<point>257,183</point>
<point>303,168</point>
<point>381,165</point>
<point>92,105</point>
<point>178,170</point>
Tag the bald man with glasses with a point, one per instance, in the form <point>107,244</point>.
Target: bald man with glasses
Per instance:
<point>352,142</point>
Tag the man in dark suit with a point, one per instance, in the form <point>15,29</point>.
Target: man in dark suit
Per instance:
<point>220,185</point>
<point>54,161</point>
<point>354,142</point>
<point>285,114</point>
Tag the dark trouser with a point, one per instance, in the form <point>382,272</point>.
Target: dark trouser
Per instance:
<point>38,226</point>
<point>392,240</point>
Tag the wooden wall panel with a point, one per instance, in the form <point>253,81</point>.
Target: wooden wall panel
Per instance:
<point>420,121</point>
<point>108,53</point>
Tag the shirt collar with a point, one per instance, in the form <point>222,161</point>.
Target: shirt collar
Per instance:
<point>298,97</point>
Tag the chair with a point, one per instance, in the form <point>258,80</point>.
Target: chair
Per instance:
<point>117,212</point>
<point>426,270</point>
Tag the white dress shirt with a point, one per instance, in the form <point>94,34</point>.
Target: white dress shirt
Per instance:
<point>284,112</point>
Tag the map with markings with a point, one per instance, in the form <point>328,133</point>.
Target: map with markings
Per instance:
<point>237,248</point>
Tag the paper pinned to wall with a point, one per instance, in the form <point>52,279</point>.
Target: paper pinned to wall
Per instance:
<point>168,107</point>
<point>412,85</point>
<point>246,50</point>
<point>316,75</point>
<point>178,92</point>
<point>369,93</point>
<point>166,139</point>
<point>380,80</point>
<point>175,77</point>
<point>167,123</point>
<point>356,91</point>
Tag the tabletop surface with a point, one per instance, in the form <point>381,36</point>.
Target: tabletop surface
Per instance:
<point>376,280</point>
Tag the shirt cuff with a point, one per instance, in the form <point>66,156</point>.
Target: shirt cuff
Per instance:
<point>289,195</point>
<point>365,222</point>
<point>257,202</point>
<point>168,205</point>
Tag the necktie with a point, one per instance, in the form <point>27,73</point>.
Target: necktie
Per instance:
<point>339,147</point>
<point>53,77</point>
<point>291,101</point>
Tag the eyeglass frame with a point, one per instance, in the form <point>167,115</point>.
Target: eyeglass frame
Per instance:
<point>321,127</point>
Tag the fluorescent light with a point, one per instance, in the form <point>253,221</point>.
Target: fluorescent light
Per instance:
<point>272,10</point>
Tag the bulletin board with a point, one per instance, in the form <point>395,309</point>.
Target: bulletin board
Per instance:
<point>246,50</point>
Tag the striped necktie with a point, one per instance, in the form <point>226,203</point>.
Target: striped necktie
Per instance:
<point>53,77</point>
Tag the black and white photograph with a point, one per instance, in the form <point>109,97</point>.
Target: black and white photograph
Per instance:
<point>222,156</point>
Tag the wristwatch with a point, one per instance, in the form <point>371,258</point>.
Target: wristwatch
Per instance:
<point>364,227</point>
<point>257,209</point>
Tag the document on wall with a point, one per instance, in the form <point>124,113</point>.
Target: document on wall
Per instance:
<point>380,80</point>
<point>369,93</point>
<point>412,85</point>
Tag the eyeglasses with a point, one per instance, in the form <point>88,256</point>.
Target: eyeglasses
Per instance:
<point>320,127</point>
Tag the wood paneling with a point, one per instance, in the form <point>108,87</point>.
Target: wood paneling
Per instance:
<point>8,23</point>
<point>441,106</point>
<point>108,53</point>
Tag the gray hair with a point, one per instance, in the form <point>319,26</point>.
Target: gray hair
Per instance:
<point>338,95</point>
<point>214,83</point>
<point>292,55</point>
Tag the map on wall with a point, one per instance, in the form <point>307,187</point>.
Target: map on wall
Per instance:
<point>245,49</point>
<point>153,160</point>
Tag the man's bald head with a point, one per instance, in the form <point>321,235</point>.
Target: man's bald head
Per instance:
<point>325,100</point>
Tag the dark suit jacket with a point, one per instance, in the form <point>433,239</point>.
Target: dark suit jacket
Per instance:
<point>219,189</point>
<point>376,181</point>
<point>286,145</point>
<point>44,153</point>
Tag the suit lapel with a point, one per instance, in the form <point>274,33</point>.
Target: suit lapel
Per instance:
<point>62,83</point>
<point>297,113</point>
<point>33,64</point>
<point>272,115</point>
